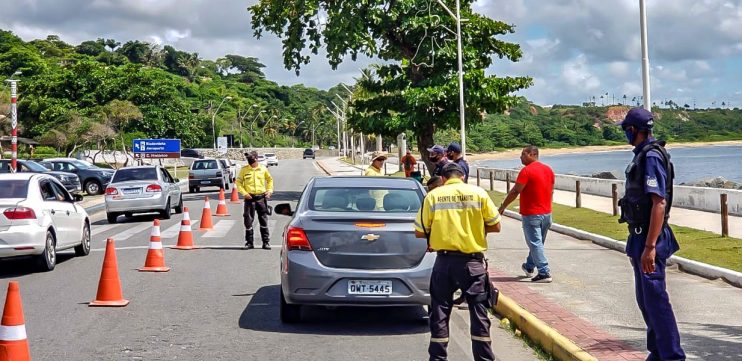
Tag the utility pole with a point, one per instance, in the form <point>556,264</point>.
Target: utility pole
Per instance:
<point>14,122</point>
<point>645,54</point>
<point>462,105</point>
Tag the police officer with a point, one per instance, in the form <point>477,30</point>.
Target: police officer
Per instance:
<point>453,153</point>
<point>456,218</point>
<point>437,155</point>
<point>256,186</point>
<point>646,208</point>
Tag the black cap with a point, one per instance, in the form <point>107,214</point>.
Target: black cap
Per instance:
<point>452,166</point>
<point>639,118</point>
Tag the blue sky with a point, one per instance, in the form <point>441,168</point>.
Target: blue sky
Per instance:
<point>574,49</point>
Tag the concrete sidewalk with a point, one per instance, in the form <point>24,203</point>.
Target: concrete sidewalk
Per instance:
<point>591,300</point>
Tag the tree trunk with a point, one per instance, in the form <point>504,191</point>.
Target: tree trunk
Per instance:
<point>424,141</point>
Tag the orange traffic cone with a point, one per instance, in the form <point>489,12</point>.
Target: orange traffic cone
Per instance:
<point>205,224</point>
<point>185,237</point>
<point>109,286</point>
<point>221,208</point>
<point>155,261</point>
<point>13,329</point>
<point>235,198</point>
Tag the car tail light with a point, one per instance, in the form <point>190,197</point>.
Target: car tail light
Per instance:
<point>296,239</point>
<point>19,213</point>
<point>191,176</point>
<point>111,191</point>
<point>154,188</point>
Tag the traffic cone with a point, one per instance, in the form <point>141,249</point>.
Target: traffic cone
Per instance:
<point>155,261</point>
<point>185,237</point>
<point>206,224</point>
<point>221,208</point>
<point>109,286</point>
<point>235,198</point>
<point>13,339</point>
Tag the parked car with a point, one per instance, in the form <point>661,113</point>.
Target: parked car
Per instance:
<point>262,160</point>
<point>271,159</point>
<point>308,153</point>
<point>207,173</point>
<point>232,166</point>
<point>93,178</point>
<point>343,249</point>
<point>70,181</point>
<point>38,217</point>
<point>143,189</point>
<point>191,153</point>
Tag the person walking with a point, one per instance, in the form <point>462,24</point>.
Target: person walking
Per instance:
<point>438,157</point>
<point>374,170</point>
<point>453,153</point>
<point>455,219</point>
<point>255,184</point>
<point>535,185</point>
<point>645,207</point>
<point>408,163</point>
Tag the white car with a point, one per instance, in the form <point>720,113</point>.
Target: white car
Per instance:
<point>262,160</point>
<point>271,159</point>
<point>38,217</point>
<point>232,166</point>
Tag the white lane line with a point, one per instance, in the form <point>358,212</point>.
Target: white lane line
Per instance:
<point>130,232</point>
<point>170,246</point>
<point>174,230</point>
<point>102,228</point>
<point>221,229</point>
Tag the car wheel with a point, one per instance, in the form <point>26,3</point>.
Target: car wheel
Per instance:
<point>179,207</point>
<point>111,217</point>
<point>92,187</point>
<point>166,213</point>
<point>289,313</point>
<point>48,259</point>
<point>84,248</point>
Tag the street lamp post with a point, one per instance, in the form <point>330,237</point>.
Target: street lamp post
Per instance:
<point>14,122</point>
<point>241,118</point>
<point>213,119</point>
<point>252,123</point>
<point>462,110</point>
<point>645,54</point>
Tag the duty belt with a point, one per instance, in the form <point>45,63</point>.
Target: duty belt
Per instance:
<point>478,255</point>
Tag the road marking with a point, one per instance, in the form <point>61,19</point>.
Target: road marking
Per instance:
<point>102,228</point>
<point>174,230</point>
<point>221,229</point>
<point>235,247</point>
<point>130,232</point>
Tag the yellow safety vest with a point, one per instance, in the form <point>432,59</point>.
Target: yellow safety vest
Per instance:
<point>455,216</point>
<point>254,180</point>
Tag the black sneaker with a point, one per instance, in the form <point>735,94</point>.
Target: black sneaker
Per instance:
<point>526,271</point>
<point>249,245</point>
<point>541,278</point>
<point>266,246</point>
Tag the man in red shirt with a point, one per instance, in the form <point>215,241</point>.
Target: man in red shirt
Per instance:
<point>535,184</point>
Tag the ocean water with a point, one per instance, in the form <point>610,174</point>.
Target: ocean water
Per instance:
<point>691,163</point>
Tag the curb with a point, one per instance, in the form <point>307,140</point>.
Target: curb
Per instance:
<point>322,166</point>
<point>701,269</point>
<point>552,341</point>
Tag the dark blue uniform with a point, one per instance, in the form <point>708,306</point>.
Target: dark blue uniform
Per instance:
<point>465,167</point>
<point>663,339</point>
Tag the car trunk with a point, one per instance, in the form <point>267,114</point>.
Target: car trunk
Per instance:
<point>357,242</point>
<point>133,189</point>
<point>11,203</point>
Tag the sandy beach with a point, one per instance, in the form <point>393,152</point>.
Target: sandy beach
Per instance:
<point>515,153</point>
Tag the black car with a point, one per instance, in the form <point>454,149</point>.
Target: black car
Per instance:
<point>191,153</point>
<point>69,180</point>
<point>308,153</point>
<point>93,178</point>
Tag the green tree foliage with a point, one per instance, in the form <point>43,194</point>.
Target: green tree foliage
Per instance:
<point>416,89</point>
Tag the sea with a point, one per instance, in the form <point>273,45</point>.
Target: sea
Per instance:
<point>691,163</point>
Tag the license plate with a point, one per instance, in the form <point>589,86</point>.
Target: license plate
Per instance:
<point>205,182</point>
<point>367,287</point>
<point>131,190</point>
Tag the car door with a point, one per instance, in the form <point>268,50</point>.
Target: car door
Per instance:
<point>73,219</point>
<point>54,208</point>
<point>173,189</point>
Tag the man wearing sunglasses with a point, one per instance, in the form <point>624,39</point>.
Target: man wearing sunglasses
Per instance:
<point>646,208</point>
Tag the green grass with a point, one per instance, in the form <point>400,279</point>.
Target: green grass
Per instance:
<point>701,246</point>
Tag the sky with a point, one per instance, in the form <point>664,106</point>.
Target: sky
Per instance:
<point>573,49</point>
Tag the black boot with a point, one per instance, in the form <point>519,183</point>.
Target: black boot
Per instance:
<point>249,240</point>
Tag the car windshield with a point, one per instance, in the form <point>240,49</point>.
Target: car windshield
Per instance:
<point>13,188</point>
<point>365,200</point>
<point>134,174</point>
<point>270,155</point>
<point>82,164</point>
<point>204,164</point>
<point>35,167</point>
<point>308,151</point>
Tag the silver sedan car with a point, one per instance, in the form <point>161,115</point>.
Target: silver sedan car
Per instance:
<point>142,189</point>
<point>351,242</point>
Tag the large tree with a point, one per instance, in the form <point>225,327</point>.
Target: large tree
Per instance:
<point>416,87</point>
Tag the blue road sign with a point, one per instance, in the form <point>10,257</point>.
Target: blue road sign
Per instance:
<point>157,148</point>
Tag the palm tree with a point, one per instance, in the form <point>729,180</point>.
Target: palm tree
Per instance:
<point>624,99</point>
<point>602,103</point>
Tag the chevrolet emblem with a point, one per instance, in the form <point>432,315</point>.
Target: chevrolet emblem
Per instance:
<point>370,237</point>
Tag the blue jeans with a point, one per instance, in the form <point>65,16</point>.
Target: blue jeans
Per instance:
<point>535,228</point>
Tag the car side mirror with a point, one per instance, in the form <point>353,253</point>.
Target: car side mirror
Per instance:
<point>283,209</point>
<point>77,197</point>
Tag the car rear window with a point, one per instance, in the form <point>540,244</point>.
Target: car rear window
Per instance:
<point>135,174</point>
<point>204,164</point>
<point>365,200</point>
<point>269,155</point>
<point>13,188</point>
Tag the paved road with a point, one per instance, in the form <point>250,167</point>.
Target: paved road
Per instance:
<point>217,303</point>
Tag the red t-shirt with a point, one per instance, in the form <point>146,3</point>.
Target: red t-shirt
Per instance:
<point>538,179</point>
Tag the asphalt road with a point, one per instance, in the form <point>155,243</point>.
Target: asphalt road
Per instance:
<point>217,303</point>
